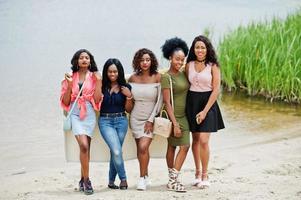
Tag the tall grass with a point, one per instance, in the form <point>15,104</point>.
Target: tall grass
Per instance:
<point>264,58</point>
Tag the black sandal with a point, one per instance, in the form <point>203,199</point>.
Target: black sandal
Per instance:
<point>123,185</point>
<point>113,186</point>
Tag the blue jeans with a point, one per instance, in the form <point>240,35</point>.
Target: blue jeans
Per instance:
<point>113,131</point>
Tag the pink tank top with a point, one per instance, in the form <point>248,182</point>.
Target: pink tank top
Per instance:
<point>200,81</point>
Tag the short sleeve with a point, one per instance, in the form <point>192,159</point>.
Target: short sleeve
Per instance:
<point>165,81</point>
<point>128,86</point>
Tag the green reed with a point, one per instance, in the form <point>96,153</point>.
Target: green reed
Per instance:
<point>264,58</point>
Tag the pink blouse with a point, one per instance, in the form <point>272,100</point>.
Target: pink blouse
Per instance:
<point>87,94</point>
<point>200,81</point>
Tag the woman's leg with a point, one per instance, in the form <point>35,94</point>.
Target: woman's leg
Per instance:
<point>196,151</point>
<point>143,144</point>
<point>84,146</point>
<point>174,166</point>
<point>181,156</point>
<point>205,153</point>
<point>110,136</point>
<point>170,156</point>
<point>121,125</point>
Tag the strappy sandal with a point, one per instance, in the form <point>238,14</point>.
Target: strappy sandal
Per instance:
<point>205,183</point>
<point>173,183</point>
<point>198,178</point>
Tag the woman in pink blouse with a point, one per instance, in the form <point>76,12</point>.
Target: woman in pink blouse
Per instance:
<point>203,113</point>
<point>84,74</point>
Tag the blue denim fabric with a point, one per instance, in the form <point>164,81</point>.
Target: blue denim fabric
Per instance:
<point>113,131</point>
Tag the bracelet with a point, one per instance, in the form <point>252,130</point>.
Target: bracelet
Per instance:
<point>129,97</point>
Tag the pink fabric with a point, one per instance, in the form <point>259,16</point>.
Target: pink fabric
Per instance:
<point>87,94</point>
<point>200,81</point>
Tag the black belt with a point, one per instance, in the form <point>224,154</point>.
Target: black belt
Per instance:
<point>120,114</point>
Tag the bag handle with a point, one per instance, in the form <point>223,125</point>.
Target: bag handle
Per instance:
<point>76,99</point>
<point>171,91</point>
<point>171,96</point>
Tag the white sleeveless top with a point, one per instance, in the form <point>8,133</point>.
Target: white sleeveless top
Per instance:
<point>200,81</point>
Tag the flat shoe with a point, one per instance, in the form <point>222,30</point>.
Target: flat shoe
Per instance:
<point>196,181</point>
<point>113,186</point>
<point>204,184</point>
<point>123,187</point>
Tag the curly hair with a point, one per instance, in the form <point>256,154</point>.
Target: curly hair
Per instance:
<point>137,59</point>
<point>74,61</point>
<point>106,83</point>
<point>172,45</point>
<point>210,56</point>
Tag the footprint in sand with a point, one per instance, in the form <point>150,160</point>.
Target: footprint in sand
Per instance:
<point>241,180</point>
<point>222,169</point>
<point>284,169</point>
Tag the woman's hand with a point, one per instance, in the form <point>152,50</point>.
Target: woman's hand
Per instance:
<point>69,79</point>
<point>96,76</point>
<point>177,131</point>
<point>201,116</point>
<point>148,127</point>
<point>126,92</point>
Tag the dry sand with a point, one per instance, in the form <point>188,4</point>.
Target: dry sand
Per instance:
<point>251,159</point>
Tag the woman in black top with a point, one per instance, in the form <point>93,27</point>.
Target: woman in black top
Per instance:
<point>113,123</point>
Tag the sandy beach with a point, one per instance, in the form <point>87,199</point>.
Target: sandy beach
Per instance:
<point>257,156</point>
<point>254,158</point>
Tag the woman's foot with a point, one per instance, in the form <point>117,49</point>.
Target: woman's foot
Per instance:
<point>141,185</point>
<point>112,185</point>
<point>148,182</point>
<point>88,189</point>
<point>205,182</point>
<point>173,183</point>
<point>123,185</point>
<point>198,178</point>
<point>81,185</point>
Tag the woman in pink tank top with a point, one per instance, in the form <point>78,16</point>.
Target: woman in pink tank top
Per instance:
<point>202,110</point>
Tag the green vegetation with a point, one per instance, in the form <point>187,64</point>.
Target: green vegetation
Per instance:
<point>264,59</point>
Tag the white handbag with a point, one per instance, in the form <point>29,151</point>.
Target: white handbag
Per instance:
<point>163,126</point>
<point>67,125</point>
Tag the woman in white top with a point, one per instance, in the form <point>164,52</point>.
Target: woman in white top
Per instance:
<point>145,84</point>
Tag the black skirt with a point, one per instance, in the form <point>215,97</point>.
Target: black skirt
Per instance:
<point>195,103</point>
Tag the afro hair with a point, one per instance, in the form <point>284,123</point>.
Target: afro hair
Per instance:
<point>172,45</point>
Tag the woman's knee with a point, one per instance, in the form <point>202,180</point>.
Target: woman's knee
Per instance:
<point>84,147</point>
<point>116,153</point>
<point>204,144</point>
<point>143,149</point>
<point>196,139</point>
<point>184,149</point>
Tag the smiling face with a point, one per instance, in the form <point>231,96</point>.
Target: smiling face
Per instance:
<point>112,73</point>
<point>200,50</point>
<point>177,60</point>
<point>145,62</point>
<point>84,60</point>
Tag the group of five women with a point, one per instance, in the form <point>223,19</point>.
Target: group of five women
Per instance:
<point>193,109</point>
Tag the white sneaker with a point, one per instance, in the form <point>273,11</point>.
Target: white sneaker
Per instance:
<point>148,182</point>
<point>141,185</point>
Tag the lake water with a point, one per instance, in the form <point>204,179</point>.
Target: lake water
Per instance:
<point>38,39</point>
